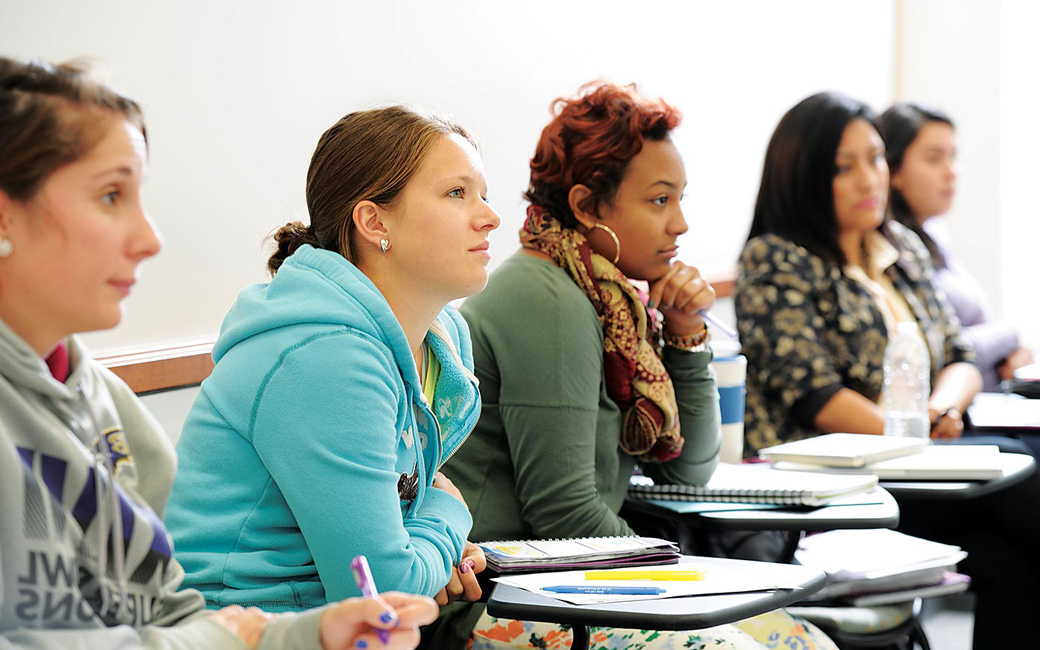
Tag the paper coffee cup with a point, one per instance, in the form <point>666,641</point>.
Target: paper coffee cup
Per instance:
<point>730,374</point>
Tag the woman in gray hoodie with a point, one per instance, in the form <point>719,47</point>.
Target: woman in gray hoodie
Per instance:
<point>85,470</point>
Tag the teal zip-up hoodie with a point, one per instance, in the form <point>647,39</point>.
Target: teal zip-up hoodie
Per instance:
<point>311,443</point>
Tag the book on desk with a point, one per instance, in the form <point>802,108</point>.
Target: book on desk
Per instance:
<point>757,484</point>
<point>934,463</point>
<point>844,449</point>
<point>510,556</point>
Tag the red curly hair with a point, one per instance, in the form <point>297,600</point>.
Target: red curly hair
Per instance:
<point>590,141</point>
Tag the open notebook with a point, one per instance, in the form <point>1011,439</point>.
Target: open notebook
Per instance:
<point>586,552</point>
<point>758,484</point>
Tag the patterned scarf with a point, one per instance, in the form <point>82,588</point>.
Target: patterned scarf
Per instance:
<point>636,378</point>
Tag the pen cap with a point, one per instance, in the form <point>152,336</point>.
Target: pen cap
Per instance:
<point>363,575</point>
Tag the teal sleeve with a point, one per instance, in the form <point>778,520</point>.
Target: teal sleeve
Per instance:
<point>550,358</point>
<point>699,419</point>
<point>326,425</point>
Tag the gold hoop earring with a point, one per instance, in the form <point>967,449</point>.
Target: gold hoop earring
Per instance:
<point>613,235</point>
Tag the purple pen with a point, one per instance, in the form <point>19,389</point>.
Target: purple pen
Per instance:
<point>363,580</point>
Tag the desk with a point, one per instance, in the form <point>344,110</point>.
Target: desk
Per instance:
<point>1019,468</point>
<point>688,613</point>
<point>874,509</point>
<point>995,412</point>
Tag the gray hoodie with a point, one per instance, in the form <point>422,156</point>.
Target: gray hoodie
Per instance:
<point>83,563</point>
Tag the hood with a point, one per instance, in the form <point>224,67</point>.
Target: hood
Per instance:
<point>20,364</point>
<point>321,288</point>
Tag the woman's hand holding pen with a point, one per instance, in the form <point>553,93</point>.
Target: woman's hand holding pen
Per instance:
<point>681,294</point>
<point>357,622</point>
<point>346,624</point>
<point>946,423</point>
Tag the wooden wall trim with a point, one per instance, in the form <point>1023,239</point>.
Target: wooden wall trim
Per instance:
<point>166,367</point>
<point>162,367</point>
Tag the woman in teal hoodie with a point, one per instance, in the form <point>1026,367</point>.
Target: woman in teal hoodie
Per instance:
<point>343,385</point>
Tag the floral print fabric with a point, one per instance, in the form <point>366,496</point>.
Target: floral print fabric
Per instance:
<point>807,326</point>
<point>775,629</point>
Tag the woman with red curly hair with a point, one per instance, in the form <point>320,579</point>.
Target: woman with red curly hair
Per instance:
<point>582,373</point>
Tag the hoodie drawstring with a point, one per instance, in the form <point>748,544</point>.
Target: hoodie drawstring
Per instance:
<point>105,461</point>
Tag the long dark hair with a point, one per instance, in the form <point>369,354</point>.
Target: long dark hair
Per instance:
<point>796,197</point>
<point>900,126</point>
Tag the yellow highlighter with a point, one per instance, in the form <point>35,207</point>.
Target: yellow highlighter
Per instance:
<point>645,575</point>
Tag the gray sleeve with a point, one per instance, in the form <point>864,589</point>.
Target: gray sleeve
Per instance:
<point>196,635</point>
<point>298,631</point>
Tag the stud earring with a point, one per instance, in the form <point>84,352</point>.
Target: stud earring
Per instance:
<point>6,247</point>
<point>384,245</point>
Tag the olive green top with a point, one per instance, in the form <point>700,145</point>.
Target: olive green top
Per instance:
<point>544,461</point>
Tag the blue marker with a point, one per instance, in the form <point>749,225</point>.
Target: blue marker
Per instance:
<point>606,591</point>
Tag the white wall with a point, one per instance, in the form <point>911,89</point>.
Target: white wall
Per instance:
<point>1019,138</point>
<point>236,94</point>
<point>171,408</point>
<point>978,61</point>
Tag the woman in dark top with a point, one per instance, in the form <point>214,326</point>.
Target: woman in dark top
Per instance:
<point>921,150</point>
<point>821,282</point>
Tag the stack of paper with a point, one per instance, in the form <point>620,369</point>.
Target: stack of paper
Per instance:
<point>556,554</point>
<point>878,567</point>
<point>710,578</point>
<point>934,463</point>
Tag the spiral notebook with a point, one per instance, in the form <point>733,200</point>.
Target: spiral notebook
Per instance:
<point>591,552</point>
<point>758,484</point>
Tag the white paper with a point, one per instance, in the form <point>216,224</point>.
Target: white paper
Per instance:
<point>865,554</point>
<point>717,580</point>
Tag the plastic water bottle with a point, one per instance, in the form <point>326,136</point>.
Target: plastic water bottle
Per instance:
<point>907,385</point>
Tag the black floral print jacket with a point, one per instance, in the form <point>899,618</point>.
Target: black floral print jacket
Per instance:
<point>808,330</point>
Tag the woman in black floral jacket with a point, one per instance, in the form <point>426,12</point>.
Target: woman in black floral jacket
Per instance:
<point>822,280</point>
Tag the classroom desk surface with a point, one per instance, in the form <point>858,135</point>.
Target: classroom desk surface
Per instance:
<point>1020,467</point>
<point>686,613</point>
<point>1005,413</point>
